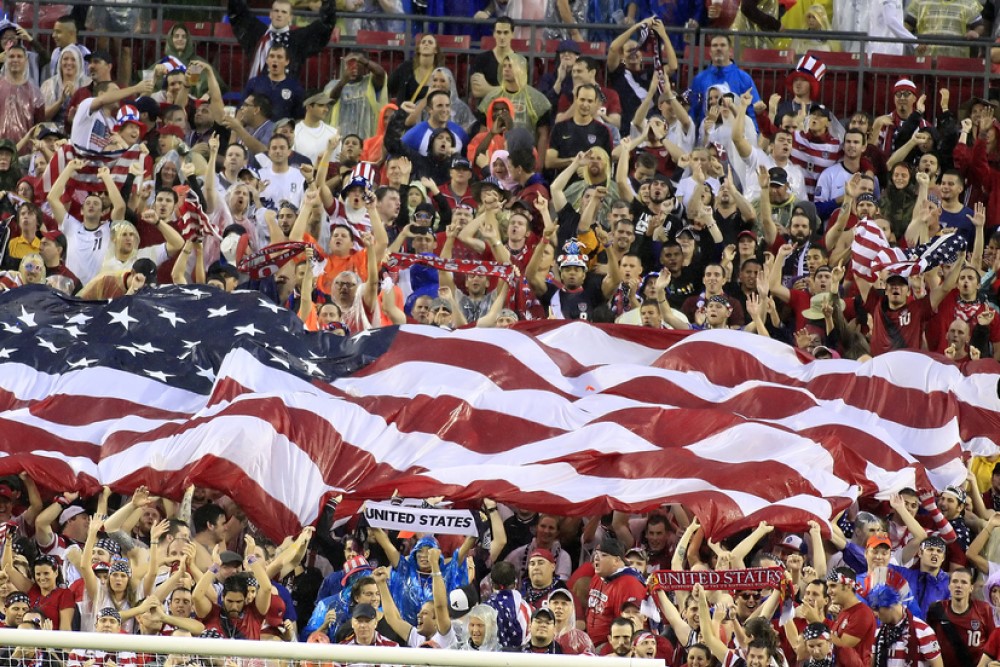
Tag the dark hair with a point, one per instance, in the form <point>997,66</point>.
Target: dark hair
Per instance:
<point>174,526</point>
<point>857,132</point>
<point>235,584</point>
<point>383,190</point>
<point>503,574</point>
<point>170,108</point>
<point>169,191</point>
<point>436,93</point>
<point>205,516</point>
<point>278,136</point>
<point>631,222</point>
<point>67,18</point>
<point>246,152</point>
<point>356,136</point>
<point>956,173</point>
<point>361,581</point>
<point>504,19</point>
<point>967,570</point>
<point>751,260</point>
<point>263,104</point>
<point>276,46</point>
<point>821,583</point>
<point>589,62</point>
<point>646,160</point>
<point>621,620</point>
<point>522,158</point>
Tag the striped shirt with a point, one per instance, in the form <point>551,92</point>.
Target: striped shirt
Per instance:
<point>814,154</point>
<point>78,657</point>
<point>927,645</point>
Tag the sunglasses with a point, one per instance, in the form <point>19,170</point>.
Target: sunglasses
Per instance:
<point>422,216</point>
<point>750,596</point>
<point>32,266</point>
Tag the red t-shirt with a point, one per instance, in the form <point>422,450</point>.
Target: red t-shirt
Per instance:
<point>909,320</point>
<point>974,628</point>
<point>51,604</point>
<point>248,624</point>
<point>605,600</point>
<point>857,621</point>
<point>950,310</point>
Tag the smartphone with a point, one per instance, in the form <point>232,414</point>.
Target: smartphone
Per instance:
<point>420,229</point>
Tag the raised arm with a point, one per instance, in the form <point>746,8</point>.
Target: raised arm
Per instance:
<point>667,315</point>
<point>389,609</point>
<point>59,189</point>
<point>559,183</point>
<point>390,550</point>
<point>621,172</point>
<point>766,219</point>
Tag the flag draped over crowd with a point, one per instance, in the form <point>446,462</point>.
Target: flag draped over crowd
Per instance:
<point>182,385</point>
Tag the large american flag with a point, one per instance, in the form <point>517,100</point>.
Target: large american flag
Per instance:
<point>185,384</point>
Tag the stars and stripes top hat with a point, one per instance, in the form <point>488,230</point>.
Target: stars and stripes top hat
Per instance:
<point>363,175</point>
<point>128,113</point>
<point>812,70</point>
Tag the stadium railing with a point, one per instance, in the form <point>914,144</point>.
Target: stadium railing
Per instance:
<point>209,651</point>
<point>853,80</point>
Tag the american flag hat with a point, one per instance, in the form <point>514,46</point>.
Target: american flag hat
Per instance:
<point>809,68</point>
<point>363,175</point>
<point>173,64</point>
<point>128,113</point>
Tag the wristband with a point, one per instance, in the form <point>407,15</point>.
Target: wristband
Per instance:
<point>252,560</point>
<point>214,569</point>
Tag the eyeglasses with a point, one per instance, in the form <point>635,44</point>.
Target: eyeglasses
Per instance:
<point>32,266</point>
<point>750,596</point>
<point>903,93</point>
<point>422,216</point>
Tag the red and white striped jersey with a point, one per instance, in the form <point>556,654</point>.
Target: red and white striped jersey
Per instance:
<point>814,154</point>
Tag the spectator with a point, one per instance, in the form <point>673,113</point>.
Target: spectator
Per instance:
<point>410,81</point>
<point>21,102</point>
<point>944,20</point>
<point>284,92</point>
<point>257,38</point>
<point>357,95</point>
<point>723,74</point>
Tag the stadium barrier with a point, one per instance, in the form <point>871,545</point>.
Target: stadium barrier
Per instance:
<point>314,654</point>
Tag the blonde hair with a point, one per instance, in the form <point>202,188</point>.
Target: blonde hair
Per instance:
<point>24,260</point>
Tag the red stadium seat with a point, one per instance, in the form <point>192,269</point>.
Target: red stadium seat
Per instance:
<point>199,28</point>
<point>388,49</point>
<point>768,68</point>
<point>963,77</point>
<point>839,88</point>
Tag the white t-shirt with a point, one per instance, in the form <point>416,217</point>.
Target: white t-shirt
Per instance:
<point>415,639</point>
<point>289,185</point>
<point>311,141</point>
<point>91,129</point>
<point>85,249</point>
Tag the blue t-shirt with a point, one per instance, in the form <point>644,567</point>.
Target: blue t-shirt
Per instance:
<point>961,222</point>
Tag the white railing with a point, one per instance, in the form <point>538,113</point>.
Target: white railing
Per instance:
<point>311,652</point>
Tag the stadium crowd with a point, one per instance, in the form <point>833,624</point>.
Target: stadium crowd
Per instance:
<point>388,198</point>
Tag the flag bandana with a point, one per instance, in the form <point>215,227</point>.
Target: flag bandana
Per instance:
<point>267,261</point>
<point>398,261</point>
<point>391,516</point>
<point>186,384</point>
<point>750,579</point>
